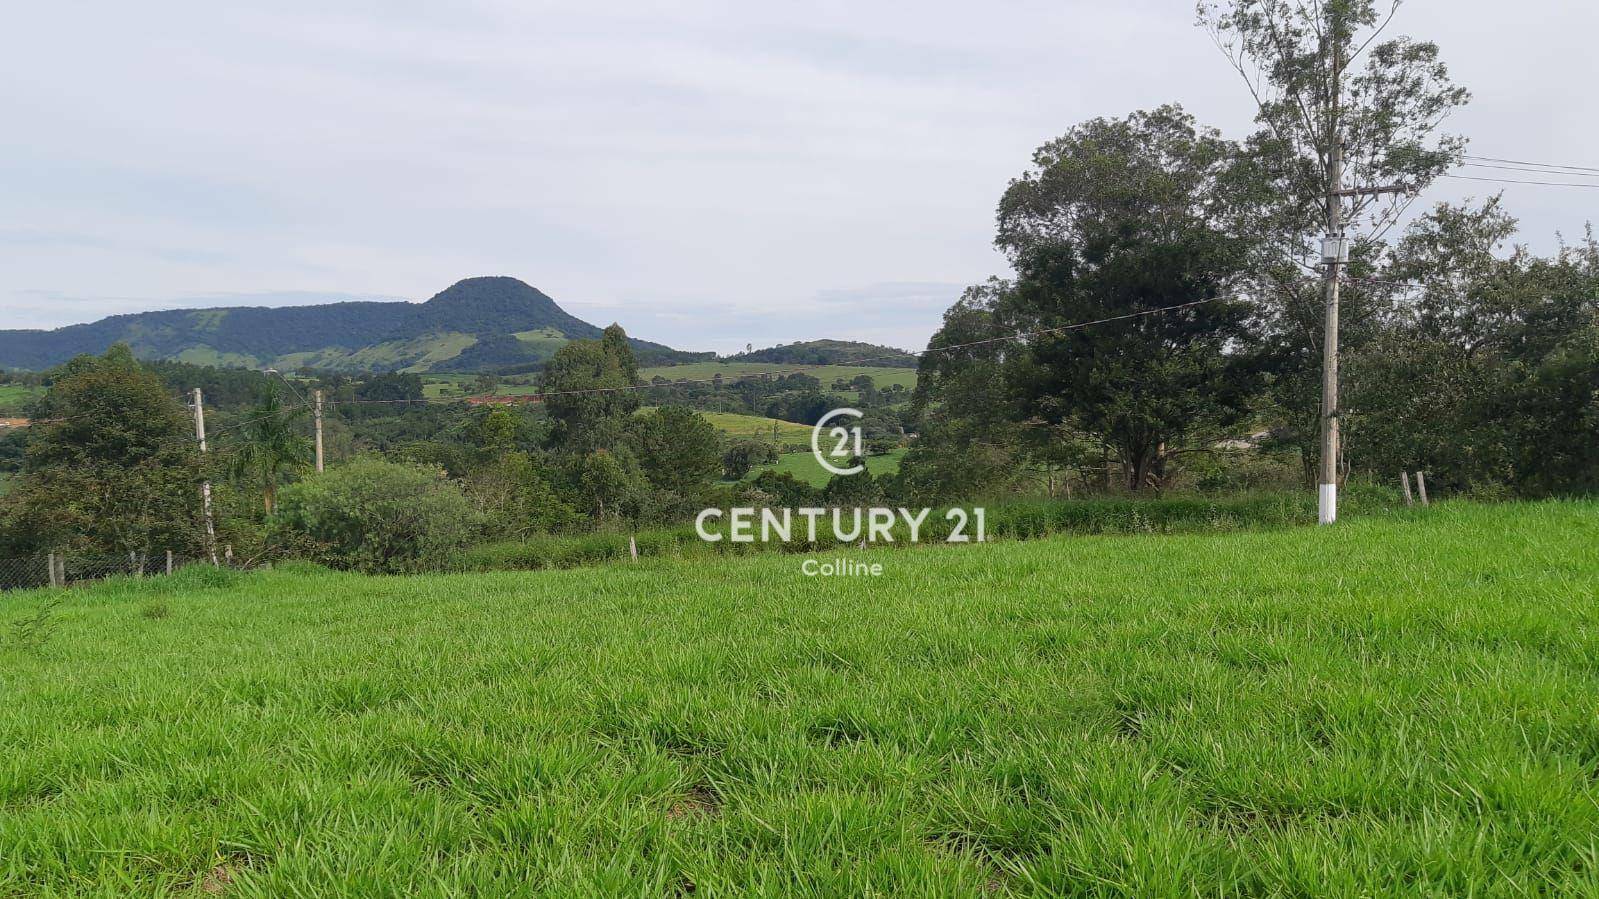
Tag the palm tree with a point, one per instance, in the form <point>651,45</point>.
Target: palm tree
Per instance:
<point>271,446</point>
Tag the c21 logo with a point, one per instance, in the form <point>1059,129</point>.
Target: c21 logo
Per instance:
<point>845,442</point>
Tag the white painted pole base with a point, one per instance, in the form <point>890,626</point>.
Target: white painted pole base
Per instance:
<point>1327,508</point>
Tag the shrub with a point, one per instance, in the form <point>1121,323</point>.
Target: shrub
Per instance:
<point>377,516</point>
<point>743,455</point>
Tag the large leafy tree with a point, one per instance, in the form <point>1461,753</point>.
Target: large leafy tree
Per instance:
<point>1320,73</point>
<point>1484,374</point>
<point>678,450</point>
<point>111,466</point>
<point>1120,217</point>
<point>586,391</point>
<point>970,431</point>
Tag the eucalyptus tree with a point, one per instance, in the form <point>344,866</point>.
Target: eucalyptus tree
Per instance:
<point>1349,131</point>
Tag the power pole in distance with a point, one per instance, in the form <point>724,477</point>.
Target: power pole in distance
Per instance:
<point>317,415</point>
<point>205,485</point>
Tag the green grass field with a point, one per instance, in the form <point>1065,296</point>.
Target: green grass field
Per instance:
<point>15,397</point>
<point>1402,704</point>
<point>734,424</point>
<point>805,467</point>
<point>882,377</point>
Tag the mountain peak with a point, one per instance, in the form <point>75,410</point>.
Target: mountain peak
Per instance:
<point>493,305</point>
<point>492,288</point>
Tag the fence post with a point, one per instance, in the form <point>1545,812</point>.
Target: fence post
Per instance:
<point>169,562</point>
<point>228,554</point>
<point>1421,487</point>
<point>50,561</point>
<point>1404,481</point>
<point>632,547</point>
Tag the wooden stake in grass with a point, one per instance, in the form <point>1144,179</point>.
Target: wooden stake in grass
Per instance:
<point>1421,487</point>
<point>1404,481</point>
<point>169,562</point>
<point>632,547</point>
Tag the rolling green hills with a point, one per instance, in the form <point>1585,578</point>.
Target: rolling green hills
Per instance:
<point>473,325</point>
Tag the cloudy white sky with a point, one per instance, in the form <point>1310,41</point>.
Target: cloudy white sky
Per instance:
<point>709,174</point>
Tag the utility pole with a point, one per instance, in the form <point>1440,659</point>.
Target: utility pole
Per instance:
<point>205,485</point>
<point>1334,250</point>
<point>317,415</point>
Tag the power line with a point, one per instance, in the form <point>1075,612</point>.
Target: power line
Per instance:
<point>1529,170</point>
<point>290,408</point>
<point>1521,181</point>
<point>1542,165</point>
<point>1020,335</point>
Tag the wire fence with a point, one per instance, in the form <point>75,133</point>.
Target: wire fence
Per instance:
<point>67,568</point>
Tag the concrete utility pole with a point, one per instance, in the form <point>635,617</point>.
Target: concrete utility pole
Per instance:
<point>317,415</point>
<point>205,486</point>
<point>1335,253</point>
<point>1334,250</point>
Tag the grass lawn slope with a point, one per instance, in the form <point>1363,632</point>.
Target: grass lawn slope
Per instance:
<point>1402,704</point>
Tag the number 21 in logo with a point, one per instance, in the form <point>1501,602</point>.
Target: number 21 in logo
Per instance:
<point>846,442</point>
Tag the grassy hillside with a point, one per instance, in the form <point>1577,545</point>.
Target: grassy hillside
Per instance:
<point>734,424</point>
<point>1404,703</point>
<point>882,377</point>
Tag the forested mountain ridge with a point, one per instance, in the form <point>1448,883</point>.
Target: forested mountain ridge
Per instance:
<point>475,324</point>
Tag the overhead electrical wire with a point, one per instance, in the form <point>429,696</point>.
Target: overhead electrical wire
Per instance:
<point>1523,181</point>
<point>1541,165</point>
<point>1020,335</point>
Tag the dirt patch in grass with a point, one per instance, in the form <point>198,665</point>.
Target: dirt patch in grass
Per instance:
<point>701,801</point>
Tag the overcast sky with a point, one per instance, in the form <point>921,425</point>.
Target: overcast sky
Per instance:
<point>709,174</point>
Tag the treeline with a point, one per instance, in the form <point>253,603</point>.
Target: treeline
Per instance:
<point>1464,355</point>
<point>1162,325</point>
